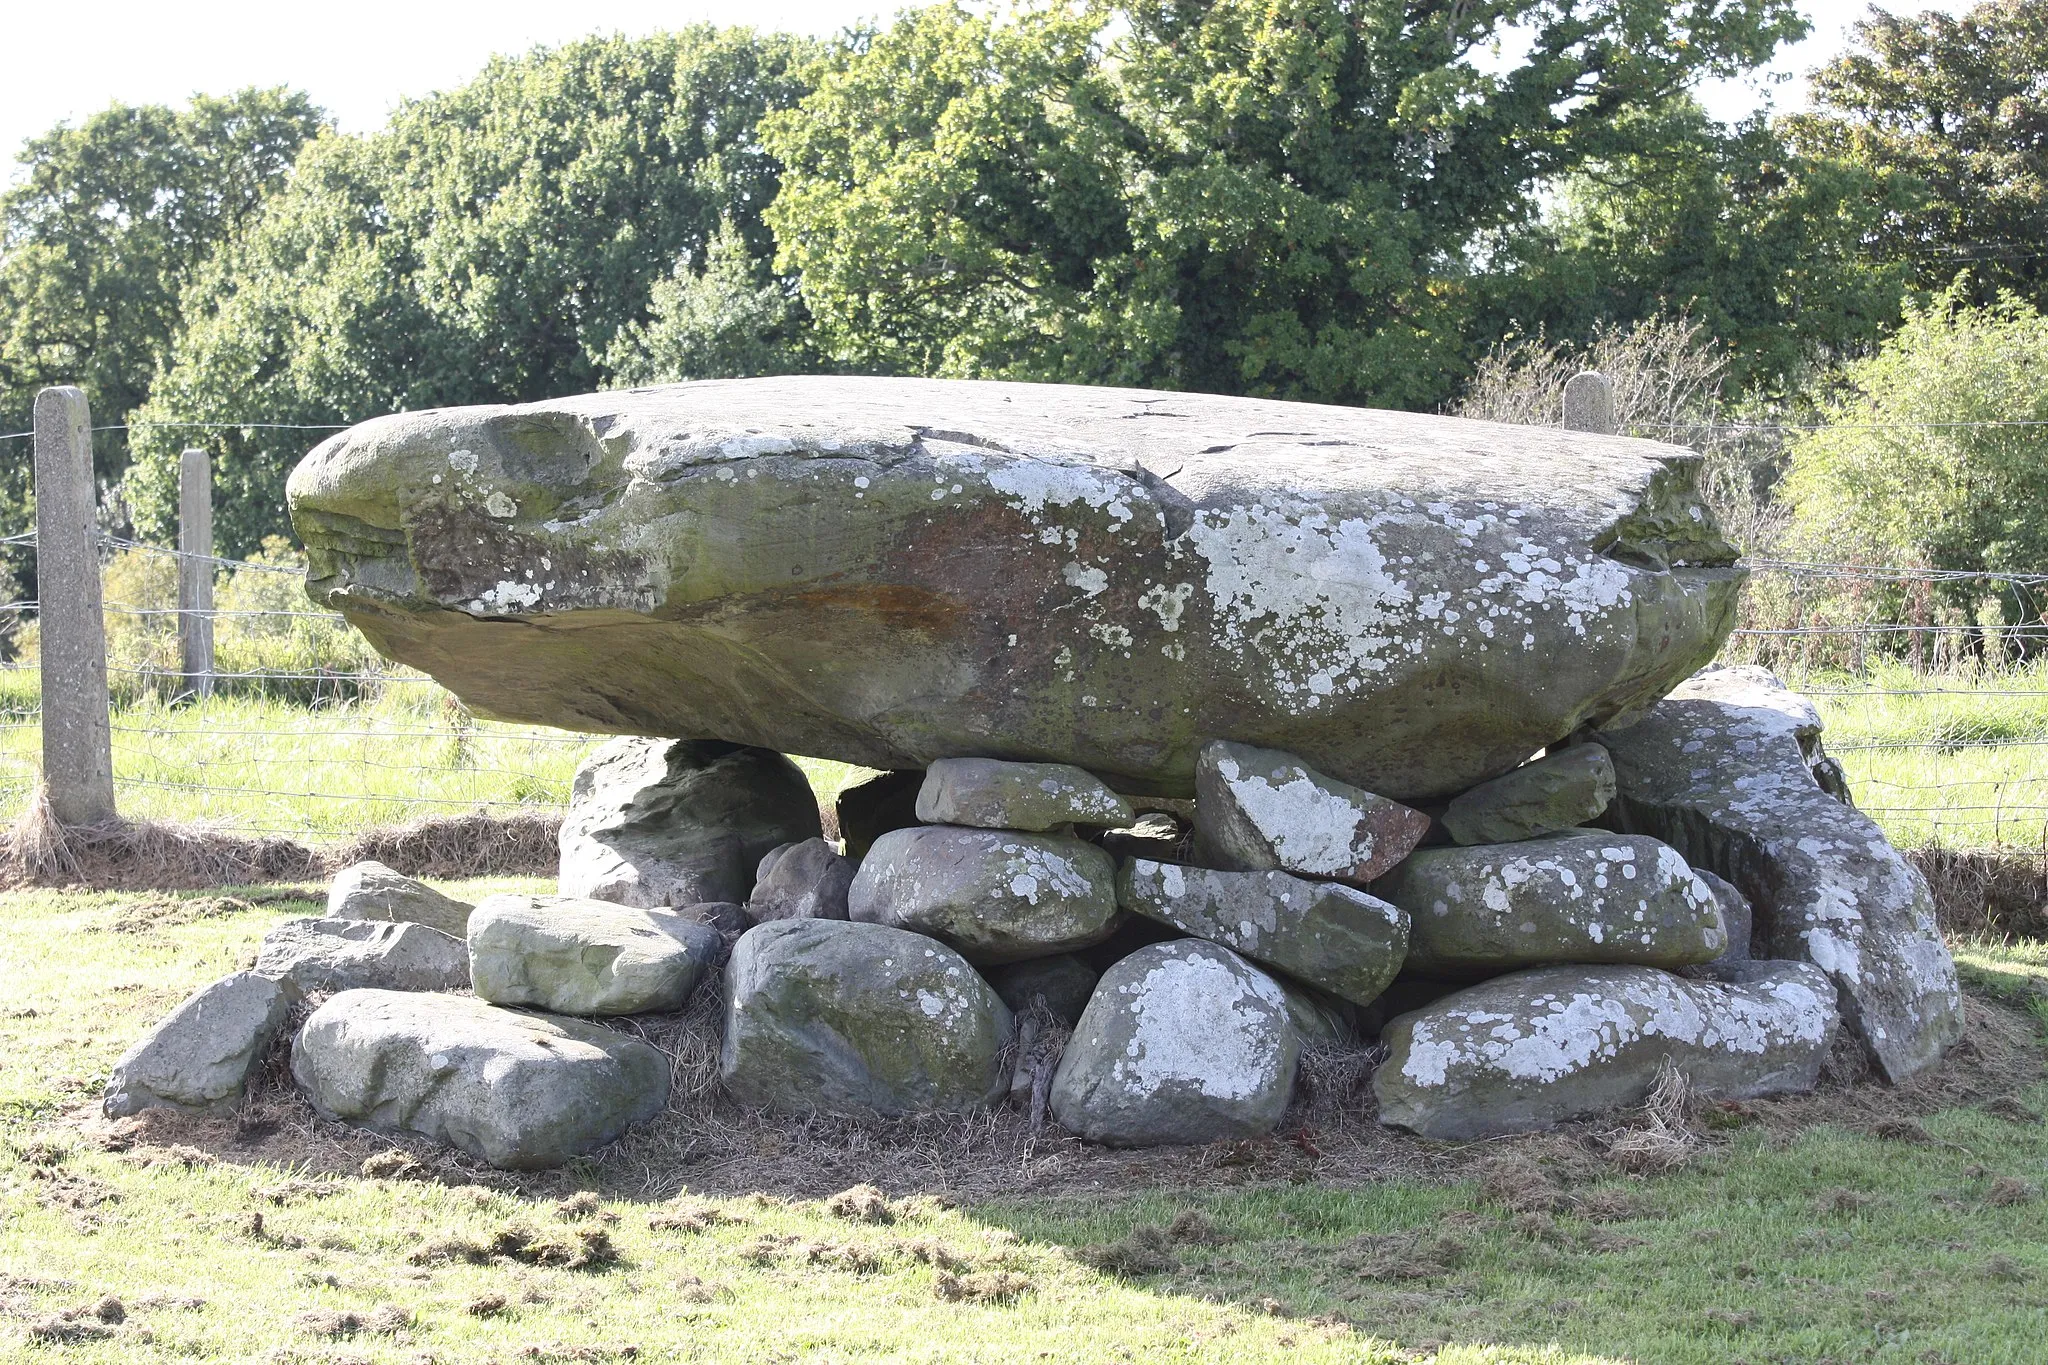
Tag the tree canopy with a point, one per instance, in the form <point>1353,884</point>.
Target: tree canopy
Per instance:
<point>109,223</point>
<point>1251,196</point>
<point>490,245</point>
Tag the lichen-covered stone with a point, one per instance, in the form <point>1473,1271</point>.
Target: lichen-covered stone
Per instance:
<point>807,880</point>
<point>858,1019</point>
<point>1532,1049</point>
<point>1259,810</point>
<point>995,895</point>
<point>1559,791</point>
<point>1062,982</point>
<point>521,1091</point>
<point>327,955</point>
<point>1720,769</point>
<point>660,823</point>
<point>1331,935</point>
<point>893,571</point>
<point>988,793</point>
<point>1736,914</point>
<point>372,891</point>
<point>571,956</point>
<point>1182,1043</point>
<point>199,1057</point>
<point>1587,896</point>
<point>1156,835</point>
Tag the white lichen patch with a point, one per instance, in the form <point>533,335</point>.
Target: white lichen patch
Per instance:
<point>1309,827</point>
<point>1197,1021</point>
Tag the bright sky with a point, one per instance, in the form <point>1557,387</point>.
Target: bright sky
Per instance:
<point>360,57</point>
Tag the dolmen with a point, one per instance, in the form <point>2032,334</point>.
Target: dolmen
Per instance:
<point>1207,733</point>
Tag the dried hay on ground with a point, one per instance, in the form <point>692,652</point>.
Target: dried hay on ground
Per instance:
<point>718,1148</point>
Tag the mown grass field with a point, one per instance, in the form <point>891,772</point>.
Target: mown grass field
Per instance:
<point>1900,1228</point>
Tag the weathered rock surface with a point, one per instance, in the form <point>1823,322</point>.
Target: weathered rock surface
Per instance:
<point>1064,982</point>
<point>1532,1049</point>
<point>658,823</point>
<point>198,1059</point>
<point>1587,896</point>
<point>1182,1043</point>
<point>572,956</point>
<point>1334,936</point>
<point>327,955</point>
<point>1719,769</point>
<point>1559,791</point>
<point>1259,809</point>
<point>995,895</point>
<point>894,571</point>
<point>803,881</point>
<point>1155,835</point>
<point>856,1019</point>
<point>521,1091</point>
<point>1736,914</point>
<point>990,794</point>
<point>723,916</point>
<point>1319,1019</point>
<point>372,891</point>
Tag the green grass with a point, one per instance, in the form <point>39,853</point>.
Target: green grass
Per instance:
<point>1827,1244</point>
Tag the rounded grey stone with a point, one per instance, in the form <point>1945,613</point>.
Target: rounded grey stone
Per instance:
<point>858,1019</point>
<point>321,956</point>
<point>1532,1049</point>
<point>995,895</point>
<point>1559,791</point>
<point>991,794</point>
<point>520,1091</point>
<point>806,880</point>
<point>1182,1043</point>
<point>198,1058</point>
<point>1260,809</point>
<point>1587,896</point>
<point>372,891</point>
<point>586,957</point>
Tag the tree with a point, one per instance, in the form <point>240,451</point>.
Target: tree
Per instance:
<point>491,245</point>
<point>728,318</point>
<point>1957,103</point>
<point>1939,459</point>
<point>1259,196</point>
<point>1764,247</point>
<point>109,223</point>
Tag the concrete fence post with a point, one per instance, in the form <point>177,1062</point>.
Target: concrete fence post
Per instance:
<point>1589,403</point>
<point>78,752</point>
<point>195,572</point>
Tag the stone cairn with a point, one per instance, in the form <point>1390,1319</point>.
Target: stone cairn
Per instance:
<point>1200,745</point>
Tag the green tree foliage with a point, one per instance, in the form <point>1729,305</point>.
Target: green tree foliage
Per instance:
<point>1904,472</point>
<point>110,221</point>
<point>1958,104</point>
<point>490,245</point>
<point>1261,196</point>
<point>728,319</point>
<point>1765,247</point>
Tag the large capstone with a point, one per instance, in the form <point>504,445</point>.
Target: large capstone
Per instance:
<point>857,1019</point>
<point>1181,1043</point>
<point>991,794</point>
<point>1259,809</point>
<point>894,571</point>
<point>372,891</point>
<point>321,956</point>
<point>1557,792</point>
<point>199,1058</point>
<point>1588,896</point>
<point>520,1091</point>
<point>1532,1049</point>
<point>995,895</point>
<point>658,823</point>
<point>1721,770</point>
<point>574,956</point>
<point>1333,936</point>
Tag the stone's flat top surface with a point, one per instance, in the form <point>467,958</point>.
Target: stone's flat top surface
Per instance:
<point>893,571</point>
<point>991,794</point>
<point>572,956</point>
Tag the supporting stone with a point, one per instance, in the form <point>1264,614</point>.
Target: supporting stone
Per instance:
<point>195,572</point>
<point>1589,403</point>
<point>78,753</point>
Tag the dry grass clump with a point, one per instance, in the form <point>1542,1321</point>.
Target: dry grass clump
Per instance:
<point>1419,1255</point>
<point>1665,1137</point>
<point>387,1321</point>
<point>129,855</point>
<point>988,1286</point>
<point>861,1204</point>
<point>455,846</point>
<point>575,1249</point>
<point>1986,891</point>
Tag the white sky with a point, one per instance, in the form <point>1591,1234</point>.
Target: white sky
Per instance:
<point>359,57</point>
